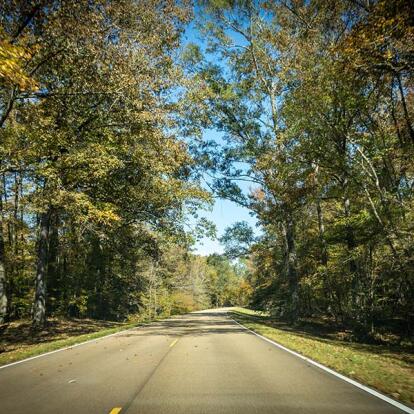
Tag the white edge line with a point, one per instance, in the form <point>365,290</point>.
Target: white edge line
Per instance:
<point>331,371</point>
<point>67,347</point>
<point>75,345</point>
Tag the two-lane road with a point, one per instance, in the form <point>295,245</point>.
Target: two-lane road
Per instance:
<point>198,363</point>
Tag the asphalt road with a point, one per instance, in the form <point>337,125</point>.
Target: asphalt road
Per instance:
<point>198,363</point>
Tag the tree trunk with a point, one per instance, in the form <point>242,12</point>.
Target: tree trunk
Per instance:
<point>3,290</point>
<point>3,294</point>
<point>405,109</point>
<point>54,286</point>
<point>321,224</point>
<point>39,305</point>
<point>349,236</point>
<point>292,309</point>
<point>353,265</point>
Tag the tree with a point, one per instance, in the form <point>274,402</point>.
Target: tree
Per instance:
<point>95,146</point>
<point>238,239</point>
<point>314,100</point>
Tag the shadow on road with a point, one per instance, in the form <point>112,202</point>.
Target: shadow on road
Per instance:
<point>195,324</point>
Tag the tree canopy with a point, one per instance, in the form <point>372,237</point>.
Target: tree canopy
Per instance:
<point>103,109</point>
<point>315,103</point>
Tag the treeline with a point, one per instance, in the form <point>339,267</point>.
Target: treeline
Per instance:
<point>102,158</point>
<point>95,183</point>
<point>315,101</point>
<point>92,184</point>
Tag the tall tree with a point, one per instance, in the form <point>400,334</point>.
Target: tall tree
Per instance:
<point>315,103</point>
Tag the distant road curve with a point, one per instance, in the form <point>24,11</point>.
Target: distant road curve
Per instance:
<point>199,363</point>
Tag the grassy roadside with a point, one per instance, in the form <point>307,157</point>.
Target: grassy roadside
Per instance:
<point>33,350</point>
<point>387,369</point>
<point>17,343</point>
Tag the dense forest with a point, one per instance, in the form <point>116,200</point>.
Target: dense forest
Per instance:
<point>103,109</point>
<point>96,183</point>
<point>315,100</point>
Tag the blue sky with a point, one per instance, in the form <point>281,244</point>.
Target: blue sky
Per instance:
<point>224,212</point>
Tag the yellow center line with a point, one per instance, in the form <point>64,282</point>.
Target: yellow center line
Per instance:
<point>115,410</point>
<point>173,343</point>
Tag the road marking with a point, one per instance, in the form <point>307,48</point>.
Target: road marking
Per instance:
<point>377,394</point>
<point>115,410</point>
<point>68,347</point>
<point>79,344</point>
<point>173,343</point>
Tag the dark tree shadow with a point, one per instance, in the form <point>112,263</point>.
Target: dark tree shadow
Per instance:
<point>19,333</point>
<point>331,334</point>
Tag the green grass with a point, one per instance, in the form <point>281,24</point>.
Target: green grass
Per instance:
<point>387,369</point>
